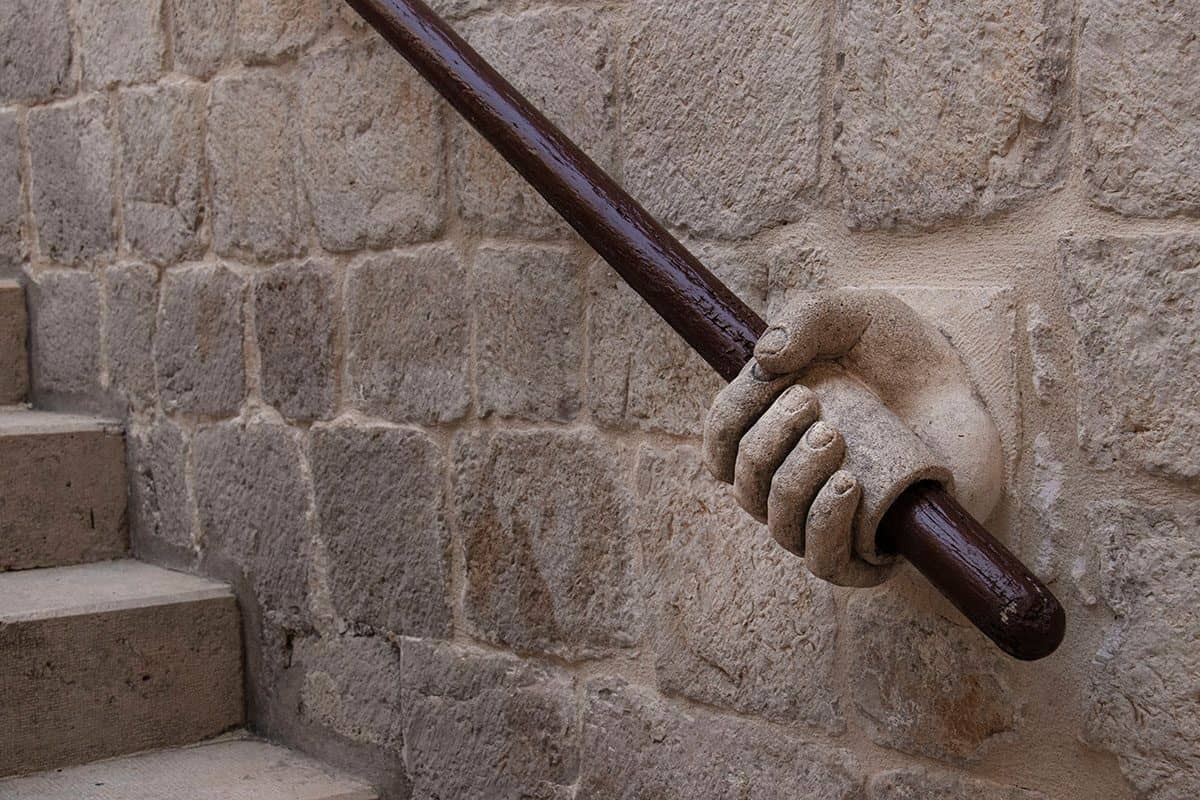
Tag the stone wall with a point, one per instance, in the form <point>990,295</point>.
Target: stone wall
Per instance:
<point>449,461</point>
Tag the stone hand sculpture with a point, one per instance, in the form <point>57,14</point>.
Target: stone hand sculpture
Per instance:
<point>850,399</point>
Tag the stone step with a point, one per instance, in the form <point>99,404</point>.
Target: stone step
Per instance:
<point>227,769</point>
<point>62,489</point>
<point>100,660</point>
<point>14,337</point>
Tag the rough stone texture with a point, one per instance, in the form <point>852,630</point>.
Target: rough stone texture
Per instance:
<point>64,326</point>
<point>130,307</point>
<point>1043,349</point>
<point>635,745</point>
<point>161,511</point>
<point>1045,513</point>
<point>198,343</point>
<point>539,578</point>
<point>1137,332</point>
<point>919,783</point>
<point>380,508</point>
<point>36,42</point>
<point>641,374</point>
<point>1144,703</point>
<point>793,271</point>
<point>562,61</point>
<point>739,622</point>
<point>12,247</point>
<point>71,183</point>
<point>271,30</point>
<point>946,111</point>
<point>721,115</point>
<point>62,490</point>
<point>484,725</point>
<point>529,339</point>
<point>922,684</point>
<point>258,204</point>
<point>14,344</point>
<point>361,102</point>
<point>352,687</point>
<point>120,42</point>
<point>201,35</point>
<point>1139,106</point>
<point>162,160</point>
<point>408,320</point>
<point>296,321</point>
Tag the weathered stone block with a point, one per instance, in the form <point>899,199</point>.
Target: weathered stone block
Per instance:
<point>71,182</point>
<point>198,344</point>
<point>162,157</point>
<point>131,303</point>
<point>160,506</point>
<point>120,42</point>
<point>64,328</point>
<point>271,30</point>
<point>1143,692</point>
<point>530,340</point>
<point>12,248</point>
<point>381,512</point>
<point>739,622</point>
<point>258,206</point>
<point>36,42</point>
<point>363,102</point>
<point>923,684</point>
<point>408,317</point>
<point>550,554</point>
<point>919,783</point>
<point>1137,331</point>
<point>295,321</point>
<point>793,271</point>
<point>561,59</point>
<point>202,35</point>
<point>945,111</point>
<point>484,725</point>
<point>352,688</point>
<point>14,344</point>
<point>722,135</point>
<point>636,745</point>
<point>1139,106</point>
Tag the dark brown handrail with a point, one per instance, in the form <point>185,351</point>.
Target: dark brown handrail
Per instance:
<point>985,581</point>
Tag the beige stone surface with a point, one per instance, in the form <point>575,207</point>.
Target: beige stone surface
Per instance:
<point>36,42</point>
<point>64,333</point>
<point>12,202</point>
<point>14,344</point>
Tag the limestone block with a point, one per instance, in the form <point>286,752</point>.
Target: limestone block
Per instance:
<point>408,318</point>
<point>130,307</point>
<point>161,510</point>
<point>948,111</point>
<point>478,724</point>
<point>271,30</point>
<point>120,42</point>
<point>162,157</point>
<point>36,42</point>
<point>352,688</point>
<point>296,318</point>
<point>14,339</point>
<point>12,247</point>
<point>738,622</point>
<point>373,149</point>
<point>1137,331</point>
<point>794,270</point>
<point>202,35</point>
<point>64,332</point>
<point>529,319</point>
<point>1139,106</point>
<point>636,745</point>
<point>549,546</point>
<point>381,513</point>
<point>561,59</point>
<point>71,182</point>
<point>198,342</point>
<point>920,783</point>
<point>1143,688</point>
<point>1044,350</point>
<point>258,205</point>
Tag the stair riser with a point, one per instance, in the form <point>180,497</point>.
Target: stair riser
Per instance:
<point>14,359</point>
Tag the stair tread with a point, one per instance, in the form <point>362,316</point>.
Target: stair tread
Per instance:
<point>97,588</point>
<point>232,768</point>
<point>22,421</point>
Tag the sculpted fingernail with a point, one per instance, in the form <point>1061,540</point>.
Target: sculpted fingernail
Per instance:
<point>796,398</point>
<point>842,483</point>
<point>773,340</point>
<point>819,435</point>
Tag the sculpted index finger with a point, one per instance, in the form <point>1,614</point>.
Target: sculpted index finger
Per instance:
<point>736,408</point>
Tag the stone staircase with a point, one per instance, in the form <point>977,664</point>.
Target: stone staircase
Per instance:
<point>103,656</point>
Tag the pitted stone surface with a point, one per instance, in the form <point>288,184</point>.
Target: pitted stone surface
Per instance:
<point>36,42</point>
<point>352,688</point>
<point>12,247</point>
<point>14,344</point>
<point>408,318</point>
<point>538,579</point>
<point>71,182</point>
<point>361,101</point>
<point>1143,689</point>
<point>919,783</point>
<point>295,321</point>
<point>160,506</point>
<point>922,684</point>
<point>381,512</point>
<point>162,160</point>
<point>529,340</point>
<point>1137,331</point>
<point>130,307</point>
<point>738,622</point>
<point>64,328</point>
<point>636,745</point>
<point>120,42</point>
<point>1139,106</point>
<point>272,30</point>
<point>947,111</point>
<point>198,343</point>
<point>485,725</point>
<point>202,35</point>
<point>561,59</point>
